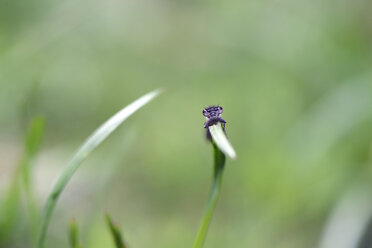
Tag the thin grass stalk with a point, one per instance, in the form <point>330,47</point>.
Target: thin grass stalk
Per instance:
<point>219,165</point>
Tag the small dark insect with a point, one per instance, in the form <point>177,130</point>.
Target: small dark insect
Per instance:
<point>212,114</point>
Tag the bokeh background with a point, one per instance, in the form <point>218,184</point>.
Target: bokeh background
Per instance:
<point>294,78</point>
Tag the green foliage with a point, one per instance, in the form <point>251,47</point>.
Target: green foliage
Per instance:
<point>88,146</point>
<point>74,235</point>
<point>221,146</point>
<point>34,136</point>
<point>9,210</point>
<point>32,145</point>
<point>115,233</point>
<point>294,78</point>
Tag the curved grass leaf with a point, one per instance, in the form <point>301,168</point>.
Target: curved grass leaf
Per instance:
<point>89,145</point>
<point>115,233</point>
<point>220,139</point>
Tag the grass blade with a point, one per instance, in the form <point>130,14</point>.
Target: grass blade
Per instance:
<point>221,147</point>
<point>74,235</point>
<point>92,142</point>
<point>220,139</point>
<point>219,164</point>
<point>34,136</point>
<point>115,232</point>
<point>32,145</point>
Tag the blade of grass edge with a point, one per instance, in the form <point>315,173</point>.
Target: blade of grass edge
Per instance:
<point>220,139</point>
<point>115,233</point>
<point>92,142</point>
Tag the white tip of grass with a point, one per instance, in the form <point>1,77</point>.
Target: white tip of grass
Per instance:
<point>220,139</point>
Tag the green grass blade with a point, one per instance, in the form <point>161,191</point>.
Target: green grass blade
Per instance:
<point>221,147</point>
<point>74,235</point>
<point>219,164</point>
<point>32,145</point>
<point>115,233</point>
<point>9,210</point>
<point>34,136</point>
<point>220,139</point>
<point>92,142</point>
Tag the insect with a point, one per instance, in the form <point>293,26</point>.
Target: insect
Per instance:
<point>212,114</point>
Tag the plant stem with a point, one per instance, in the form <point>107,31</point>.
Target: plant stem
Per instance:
<point>32,206</point>
<point>219,164</point>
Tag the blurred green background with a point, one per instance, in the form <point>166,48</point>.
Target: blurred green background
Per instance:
<point>294,78</point>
